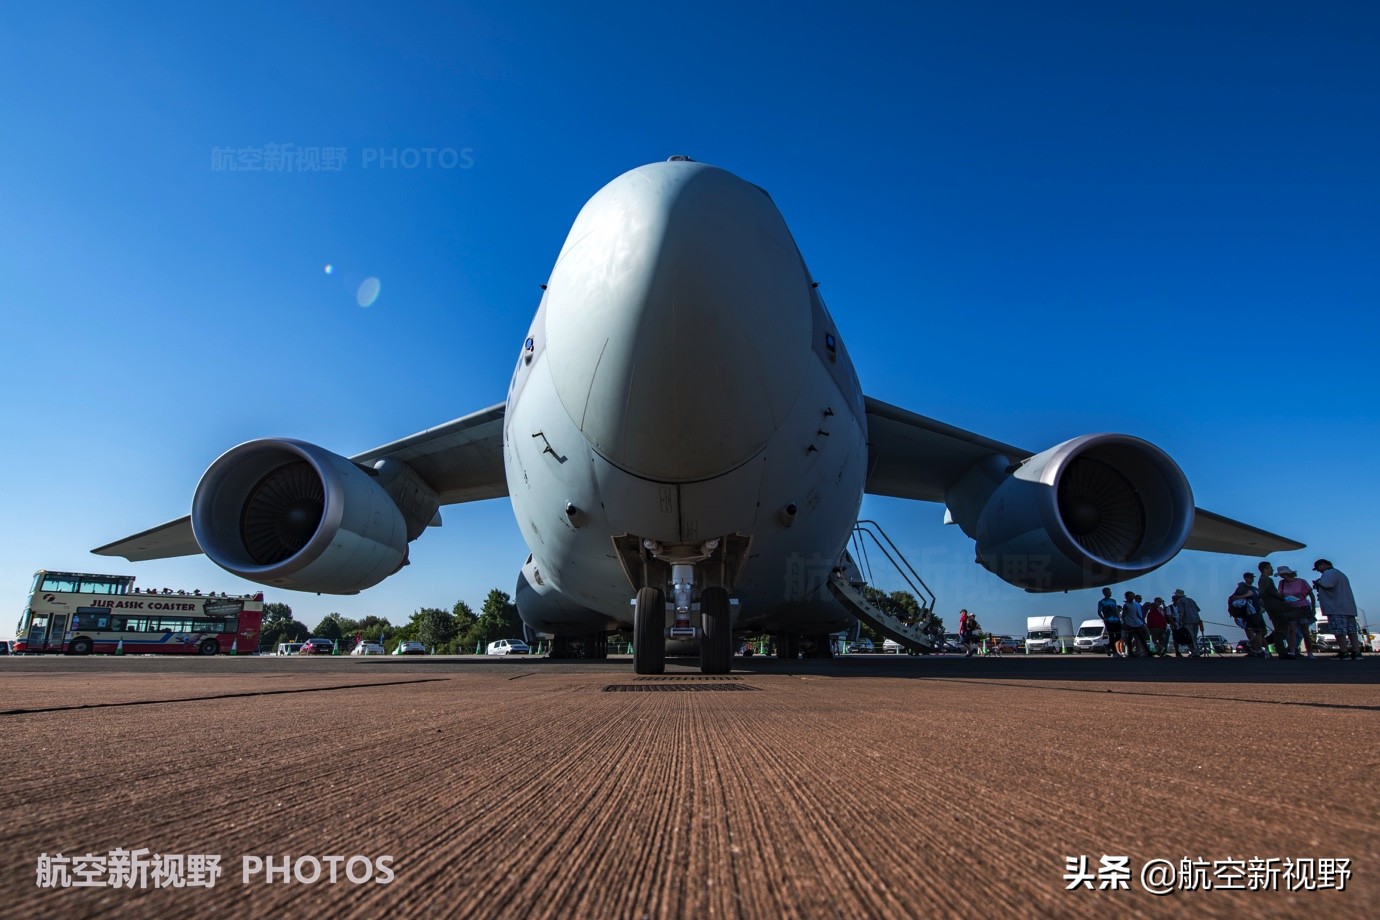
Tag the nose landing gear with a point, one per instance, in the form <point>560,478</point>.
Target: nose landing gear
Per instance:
<point>649,632</point>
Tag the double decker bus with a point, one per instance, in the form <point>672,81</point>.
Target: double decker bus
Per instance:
<point>76,614</point>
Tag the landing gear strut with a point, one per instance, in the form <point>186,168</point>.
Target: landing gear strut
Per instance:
<point>649,632</point>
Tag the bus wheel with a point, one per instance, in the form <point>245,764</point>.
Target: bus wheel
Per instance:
<point>210,647</point>
<point>79,647</point>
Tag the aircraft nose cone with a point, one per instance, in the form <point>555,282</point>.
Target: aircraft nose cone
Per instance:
<point>678,315</point>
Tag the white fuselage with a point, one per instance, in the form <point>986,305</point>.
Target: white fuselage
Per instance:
<point>680,383</point>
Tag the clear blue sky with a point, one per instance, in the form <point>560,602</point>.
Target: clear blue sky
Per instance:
<point>1030,220</point>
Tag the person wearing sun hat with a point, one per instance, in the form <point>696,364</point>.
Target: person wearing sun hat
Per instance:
<point>1299,596</point>
<point>1188,618</point>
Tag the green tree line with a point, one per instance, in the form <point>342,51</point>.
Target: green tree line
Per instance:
<point>455,631</point>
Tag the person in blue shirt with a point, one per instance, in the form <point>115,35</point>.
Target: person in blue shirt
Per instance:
<point>1133,625</point>
<point>1109,611</point>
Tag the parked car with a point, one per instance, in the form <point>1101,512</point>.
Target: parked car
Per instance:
<point>507,647</point>
<point>317,646</point>
<point>861,645</point>
<point>1217,644</point>
<point>410,647</point>
<point>288,648</point>
<point>6,646</point>
<point>1009,644</point>
<point>367,648</point>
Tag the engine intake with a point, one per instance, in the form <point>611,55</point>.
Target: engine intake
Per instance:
<point>1092,511</point>
<point>293,515</point>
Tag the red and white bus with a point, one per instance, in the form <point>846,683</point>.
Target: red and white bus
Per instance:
<point>76,614</point>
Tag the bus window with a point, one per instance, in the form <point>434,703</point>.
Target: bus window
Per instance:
<point>87,618</point>
<point>60,582</point>
<point>137,624</point>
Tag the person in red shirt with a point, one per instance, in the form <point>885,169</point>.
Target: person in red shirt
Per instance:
<point>1158,624</point>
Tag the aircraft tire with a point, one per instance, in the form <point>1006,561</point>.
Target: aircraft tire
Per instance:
<point>649,632</point>
<point>716,644</point>
<point>788,646</point>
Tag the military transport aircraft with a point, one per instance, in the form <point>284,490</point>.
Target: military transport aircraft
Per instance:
<point>686,448</point>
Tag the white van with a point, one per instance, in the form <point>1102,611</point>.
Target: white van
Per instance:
<point>1091,637</point>
<point>1048,634</point>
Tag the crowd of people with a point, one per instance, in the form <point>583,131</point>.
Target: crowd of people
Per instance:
<point>1137,628</point>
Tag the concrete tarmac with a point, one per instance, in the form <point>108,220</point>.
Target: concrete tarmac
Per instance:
<point>871,786</point>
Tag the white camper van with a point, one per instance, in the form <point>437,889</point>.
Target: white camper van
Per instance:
<point>1092,637</point>
<point>1048,634</point>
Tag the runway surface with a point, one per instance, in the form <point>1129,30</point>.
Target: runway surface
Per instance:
<point>872,786</point>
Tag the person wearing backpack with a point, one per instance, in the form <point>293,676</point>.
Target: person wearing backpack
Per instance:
<point>1244,603</point>
<point>1109,612</point>
<point>967,627</point>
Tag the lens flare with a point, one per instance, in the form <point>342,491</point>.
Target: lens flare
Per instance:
<point>368,292</point>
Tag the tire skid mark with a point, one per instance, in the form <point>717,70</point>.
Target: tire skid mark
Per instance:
<point>1128,691</point>
<point>218,696</point>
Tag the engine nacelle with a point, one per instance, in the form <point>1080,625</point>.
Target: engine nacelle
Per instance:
<point>1090,512</point>
<point>293,515</point>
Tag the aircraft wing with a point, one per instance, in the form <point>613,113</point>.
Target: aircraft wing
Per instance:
<point>911,456</point>
<point>162,542</point>
<point>462,461</point>
<point>1213,533</point>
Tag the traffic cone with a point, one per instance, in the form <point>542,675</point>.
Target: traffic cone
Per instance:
<point>1062,649</point>
<point>120,647</point>
<point>235,647</point>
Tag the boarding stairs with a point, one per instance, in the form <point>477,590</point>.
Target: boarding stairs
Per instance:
<point>848,582</point>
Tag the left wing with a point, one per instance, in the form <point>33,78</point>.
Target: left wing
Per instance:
<point>461,461</point>
<point>911,456</point>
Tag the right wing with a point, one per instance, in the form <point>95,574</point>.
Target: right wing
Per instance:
<point>462,461</point>
<point>911,456</point>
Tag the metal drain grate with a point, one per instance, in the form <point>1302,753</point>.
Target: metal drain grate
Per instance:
<point>673,687</point>
<point>693,677</point>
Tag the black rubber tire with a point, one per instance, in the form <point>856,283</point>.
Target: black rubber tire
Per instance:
<point>649,632</point>
<point>209,647</point>
<point>716,642</point>
<point>788,646</point>
<point>80,646</point>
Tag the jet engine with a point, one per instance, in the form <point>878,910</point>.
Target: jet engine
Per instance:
<point>1090,512</point>
<point>293,515</point>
